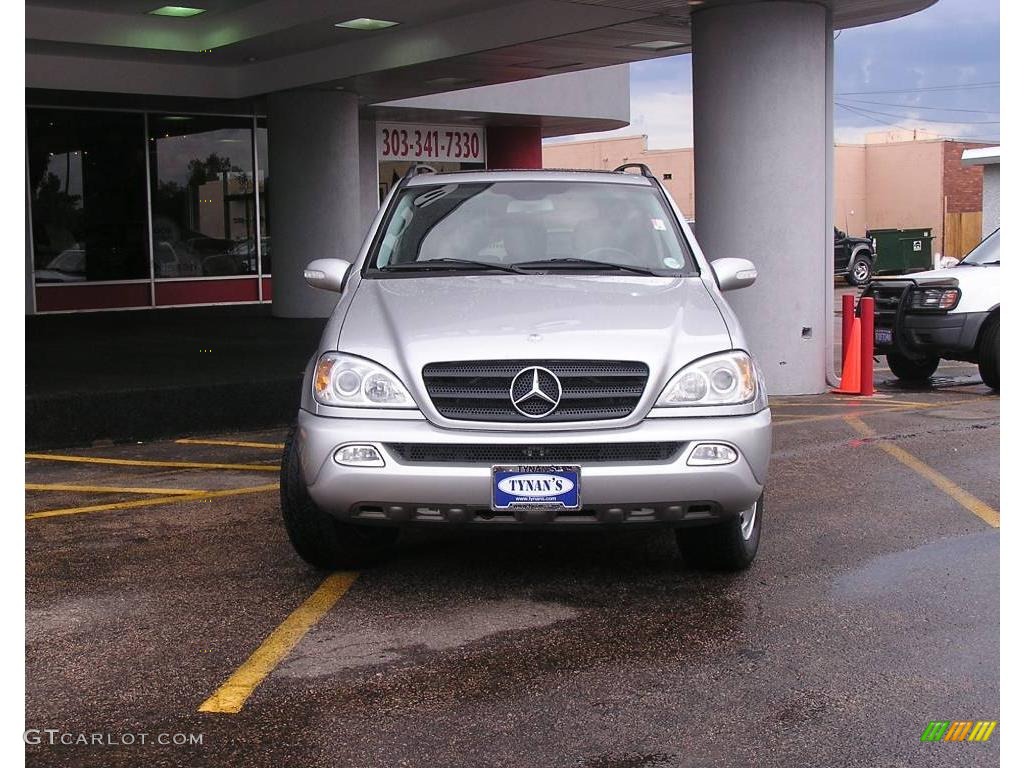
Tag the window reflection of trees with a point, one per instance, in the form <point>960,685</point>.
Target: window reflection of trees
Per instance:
<point>202,197</point>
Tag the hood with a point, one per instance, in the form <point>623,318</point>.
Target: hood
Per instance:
<point>851,240</point>
<point>979,286</point>
<point>959,274</point>
<point>406,323</point>
<point>939,274</point>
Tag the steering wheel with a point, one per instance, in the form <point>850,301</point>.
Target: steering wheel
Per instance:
<point>609,249</point>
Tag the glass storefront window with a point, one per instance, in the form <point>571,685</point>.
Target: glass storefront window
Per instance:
<point>203,199</point>
<point>264,165</point>
<point>92,214</point>
<point>87,181</point>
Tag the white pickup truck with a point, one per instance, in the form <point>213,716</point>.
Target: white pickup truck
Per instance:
<point>945,314</point>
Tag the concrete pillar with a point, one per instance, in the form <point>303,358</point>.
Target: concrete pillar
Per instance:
<point>369,195</point>
<point>762,105</point>
<point>514,146</point>
<point>990,200</point>
<point>314,192</point>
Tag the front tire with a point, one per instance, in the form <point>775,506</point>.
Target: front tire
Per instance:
<point>915,371</point>
<point>318,538</point>
<point>988,354</point>
<point>860,271</point>
<point>727,546</point>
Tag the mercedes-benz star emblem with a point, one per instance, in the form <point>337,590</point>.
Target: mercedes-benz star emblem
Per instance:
<point>535,392</point>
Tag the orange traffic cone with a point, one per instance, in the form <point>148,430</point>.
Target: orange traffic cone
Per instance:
<point>850,384</point>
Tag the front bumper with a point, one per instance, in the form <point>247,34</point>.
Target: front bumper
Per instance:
<point>950,335</point>
<point>402,491</point>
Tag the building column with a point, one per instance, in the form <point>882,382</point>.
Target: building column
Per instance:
<point>314,192</point>
<point>514,147</point>
<point>369,194</point>
<point>762,105</point>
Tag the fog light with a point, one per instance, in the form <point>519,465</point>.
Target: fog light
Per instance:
<point>359,456</point>
<point>710,454</point>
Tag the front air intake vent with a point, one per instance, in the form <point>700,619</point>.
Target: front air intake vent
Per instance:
<point>583,453</point>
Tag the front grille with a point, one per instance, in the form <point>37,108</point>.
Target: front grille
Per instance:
<point>590,453</point>
<point>480,390</point>
<point>887,298</point>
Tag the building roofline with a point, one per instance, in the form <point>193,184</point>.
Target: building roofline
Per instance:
<point>598,141</point>
<point>981,156</point>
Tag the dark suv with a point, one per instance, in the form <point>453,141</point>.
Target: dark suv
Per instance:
<point>855,257</point>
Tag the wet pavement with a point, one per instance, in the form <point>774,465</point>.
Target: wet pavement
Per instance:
<point>871,610</point>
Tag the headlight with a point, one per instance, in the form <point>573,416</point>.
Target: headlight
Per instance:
<point>725,379</point>
<point>344,380</point>
<point>941,299</point>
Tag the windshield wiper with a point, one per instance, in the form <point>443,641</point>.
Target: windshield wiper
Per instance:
<point>541,264</point>
<point>434,264</point>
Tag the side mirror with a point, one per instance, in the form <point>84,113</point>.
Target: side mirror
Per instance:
<point>327,274</point>
<point>734,273</point>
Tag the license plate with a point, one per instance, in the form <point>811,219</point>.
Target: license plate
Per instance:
<point>541,487</point>
<point>883,335</point>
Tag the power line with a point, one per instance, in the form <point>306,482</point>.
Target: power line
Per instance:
<point>873,119</point>
<point>966,86</point>
<point>906,127</point>
<point>921,106</point>
<point>922,119</point>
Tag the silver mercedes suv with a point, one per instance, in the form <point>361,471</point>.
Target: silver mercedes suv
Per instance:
<point>529,348</point>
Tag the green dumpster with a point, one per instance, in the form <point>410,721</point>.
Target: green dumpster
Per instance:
<point>902,250</point>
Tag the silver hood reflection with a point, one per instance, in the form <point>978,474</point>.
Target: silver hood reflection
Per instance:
<point>406,323</point>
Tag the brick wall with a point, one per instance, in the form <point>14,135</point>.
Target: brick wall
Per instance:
<point>961,187</point>
<point>962,198</point>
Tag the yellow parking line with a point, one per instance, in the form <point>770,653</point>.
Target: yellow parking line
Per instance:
<point>234,443</point>
<point>233,693</point>
<point>969,502</point>
<point>107,489</point>
<point>144,463</point>
<point>857,402</point>
<point>785,419</point>
<point>200,496</point>
<point>892,406</point>
<point>849,403</point>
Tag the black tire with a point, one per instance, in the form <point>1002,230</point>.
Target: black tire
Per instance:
<point>722,546</point>
<point>860,270</point>
<point>988,354</point>
<point>905,369</point>
<point>318,538</point>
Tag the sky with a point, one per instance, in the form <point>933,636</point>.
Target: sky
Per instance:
<point>882,72</point>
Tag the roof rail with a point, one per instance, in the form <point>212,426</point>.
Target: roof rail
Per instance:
<point>642,166</point>
<point>416,169</point>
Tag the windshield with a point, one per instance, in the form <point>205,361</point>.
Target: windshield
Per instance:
<point>985,253</point>
<point>531,225</point>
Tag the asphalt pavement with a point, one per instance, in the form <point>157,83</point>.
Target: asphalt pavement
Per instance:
<point>162,593</point>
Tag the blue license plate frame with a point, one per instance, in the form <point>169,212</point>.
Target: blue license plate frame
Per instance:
<point>532,493</point>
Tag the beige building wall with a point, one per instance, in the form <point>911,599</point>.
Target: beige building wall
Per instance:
<point>673,166</point>
<point>597,154</point>
<point>675,169</point>
<point>904,180</point>
<point>890,182</point>
<point>850,212</point>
